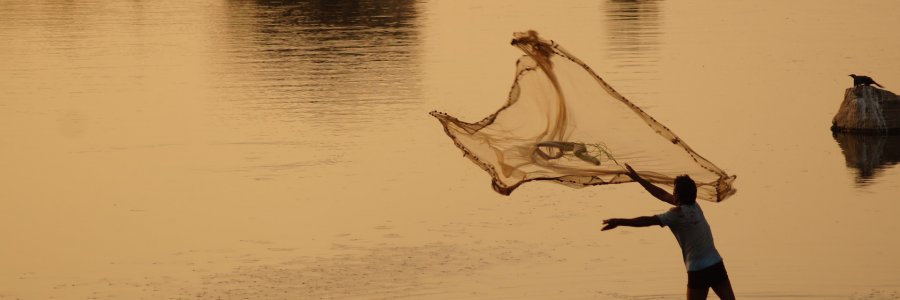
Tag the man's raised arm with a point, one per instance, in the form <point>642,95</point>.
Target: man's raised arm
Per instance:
<point>654,190</point>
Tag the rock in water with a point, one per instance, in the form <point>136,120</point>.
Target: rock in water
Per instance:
<point>867,109</point>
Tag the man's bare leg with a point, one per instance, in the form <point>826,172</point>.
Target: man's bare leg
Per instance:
<point>697,294</point>
<point>723,290</point>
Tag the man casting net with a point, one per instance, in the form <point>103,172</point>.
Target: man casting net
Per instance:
<point>563,123</point>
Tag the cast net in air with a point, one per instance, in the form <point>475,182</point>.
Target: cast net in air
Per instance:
<point>563,123</point>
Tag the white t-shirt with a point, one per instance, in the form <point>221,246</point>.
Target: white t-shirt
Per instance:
<point>693,234</point>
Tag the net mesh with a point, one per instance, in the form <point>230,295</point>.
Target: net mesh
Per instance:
<point>563,123</point>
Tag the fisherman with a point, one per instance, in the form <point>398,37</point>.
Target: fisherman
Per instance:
<point>705,267</point>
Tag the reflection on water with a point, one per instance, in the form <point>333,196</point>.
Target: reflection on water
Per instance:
<point>323,61</point>
<point>634,28</point>
<point>322,72</point>
<point>869,154</point>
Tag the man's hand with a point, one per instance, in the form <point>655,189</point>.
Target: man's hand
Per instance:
<point>610,224</point>
<point>654,190</point>
<point>632,173</point>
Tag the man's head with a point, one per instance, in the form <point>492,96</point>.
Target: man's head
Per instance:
<point>685,190</point>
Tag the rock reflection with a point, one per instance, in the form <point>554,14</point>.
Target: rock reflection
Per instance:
<point>323,61</point>
<point>869,154</point>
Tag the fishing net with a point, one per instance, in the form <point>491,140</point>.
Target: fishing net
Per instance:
<point>563,123</point>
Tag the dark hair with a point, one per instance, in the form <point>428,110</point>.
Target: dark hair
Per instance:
<point>686,189</point>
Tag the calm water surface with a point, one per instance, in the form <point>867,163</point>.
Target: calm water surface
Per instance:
<point>282,150</point>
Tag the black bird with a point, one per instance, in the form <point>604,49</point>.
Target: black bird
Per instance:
<point>863,80</point>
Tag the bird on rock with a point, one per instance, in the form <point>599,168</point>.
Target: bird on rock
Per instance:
<point>863,80</point>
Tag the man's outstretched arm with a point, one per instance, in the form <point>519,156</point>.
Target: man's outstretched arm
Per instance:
<point>635,222</point>
<point>654,190</point>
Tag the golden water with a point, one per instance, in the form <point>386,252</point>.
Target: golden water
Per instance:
<point>254,149</point>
